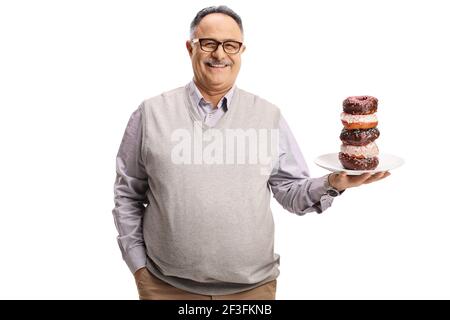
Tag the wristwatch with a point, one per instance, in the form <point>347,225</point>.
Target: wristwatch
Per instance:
<point>333,192</point>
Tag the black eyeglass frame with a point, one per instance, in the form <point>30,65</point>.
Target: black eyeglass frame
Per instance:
<point>222,43</point>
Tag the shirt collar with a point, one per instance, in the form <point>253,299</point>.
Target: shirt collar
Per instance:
<point>198,98</point>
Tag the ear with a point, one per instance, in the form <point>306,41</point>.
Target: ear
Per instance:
<point>243,48</point>
<point>189,47</point>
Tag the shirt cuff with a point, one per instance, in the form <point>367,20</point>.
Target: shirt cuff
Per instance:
<point>318,188</point>
<point>319,194</point>
<point>136,258</point>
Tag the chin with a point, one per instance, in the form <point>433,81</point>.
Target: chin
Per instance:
<point>218,81</point>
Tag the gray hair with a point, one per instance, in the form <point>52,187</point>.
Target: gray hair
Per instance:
<point>215,9</point>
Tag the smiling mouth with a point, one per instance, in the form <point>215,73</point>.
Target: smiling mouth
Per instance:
<point>216,65</point>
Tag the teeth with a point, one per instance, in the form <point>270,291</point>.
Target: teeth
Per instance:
<point>217,65</point>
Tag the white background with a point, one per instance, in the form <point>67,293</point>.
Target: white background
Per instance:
<point>72,72</point>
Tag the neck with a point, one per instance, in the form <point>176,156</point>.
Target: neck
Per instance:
<point>213,96</point>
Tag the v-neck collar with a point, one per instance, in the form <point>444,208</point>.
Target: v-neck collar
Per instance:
<point>198,98</point>
<point>195,116</point>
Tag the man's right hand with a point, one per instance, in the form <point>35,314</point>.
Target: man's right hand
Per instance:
<point>139,273</point>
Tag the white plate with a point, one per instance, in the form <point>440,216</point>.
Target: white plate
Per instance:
<point>330,161</point>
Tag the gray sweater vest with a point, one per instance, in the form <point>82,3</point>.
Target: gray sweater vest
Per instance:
<point>208,228</point>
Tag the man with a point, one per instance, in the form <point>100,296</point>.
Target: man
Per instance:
<point>194,221</point>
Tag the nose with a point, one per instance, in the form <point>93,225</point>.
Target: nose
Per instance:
<point>219,54</point>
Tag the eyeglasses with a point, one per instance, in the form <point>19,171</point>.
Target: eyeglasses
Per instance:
<point>211,45</point>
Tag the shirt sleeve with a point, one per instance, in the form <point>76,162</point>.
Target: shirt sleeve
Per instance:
<point>130,189</point>
<point>291,183</point>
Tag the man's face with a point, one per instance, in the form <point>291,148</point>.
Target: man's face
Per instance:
<point>218,70</point>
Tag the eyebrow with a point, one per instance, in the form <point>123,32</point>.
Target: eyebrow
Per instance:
<point>219,40</point>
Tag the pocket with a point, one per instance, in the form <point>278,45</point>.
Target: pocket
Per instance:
<point>272,285</point>
<point>143,278</point>
<point>144,286</point>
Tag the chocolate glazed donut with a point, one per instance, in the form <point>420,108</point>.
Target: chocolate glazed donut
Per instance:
<point>360,105</point>
<point>359,137</point>
<point>354,163</point>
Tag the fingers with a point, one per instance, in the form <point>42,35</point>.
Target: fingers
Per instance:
<point>360,178</point>
<point>377,176</point>
<point>386,174</point>
<point>348,181</point>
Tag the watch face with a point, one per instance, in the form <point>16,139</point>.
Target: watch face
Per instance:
<point>332,192</point>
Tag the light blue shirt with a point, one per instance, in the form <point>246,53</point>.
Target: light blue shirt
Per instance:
<point>209,113</point>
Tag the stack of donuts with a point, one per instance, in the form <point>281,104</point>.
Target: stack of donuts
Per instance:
<point>359,150</point>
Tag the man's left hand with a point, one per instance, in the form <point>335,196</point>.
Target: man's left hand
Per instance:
<point>342,181</point>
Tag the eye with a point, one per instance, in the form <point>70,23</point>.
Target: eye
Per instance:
<point>209,44</point>
<point>232,46</point>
